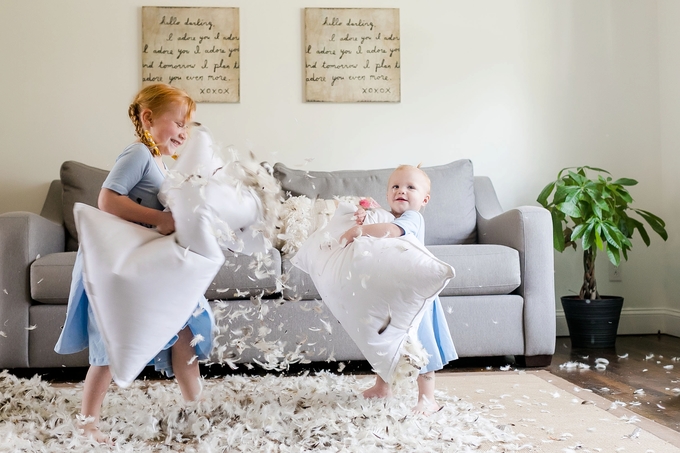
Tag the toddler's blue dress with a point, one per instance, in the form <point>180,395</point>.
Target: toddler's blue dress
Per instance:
<point>433,331</point>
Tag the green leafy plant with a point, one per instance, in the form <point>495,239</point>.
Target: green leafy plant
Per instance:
<point>595,210</point>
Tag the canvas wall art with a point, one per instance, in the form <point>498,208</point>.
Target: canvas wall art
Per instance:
<point>196,49</point>
<point>352,55</point>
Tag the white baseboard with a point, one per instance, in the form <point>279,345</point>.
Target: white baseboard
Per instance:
<point>637,321</point>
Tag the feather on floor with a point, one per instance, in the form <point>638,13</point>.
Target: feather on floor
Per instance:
<point>238,413</point>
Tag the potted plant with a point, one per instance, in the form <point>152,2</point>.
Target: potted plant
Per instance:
<point>594,210</point>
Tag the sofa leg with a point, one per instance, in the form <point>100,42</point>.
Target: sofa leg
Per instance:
<point>533,361</point>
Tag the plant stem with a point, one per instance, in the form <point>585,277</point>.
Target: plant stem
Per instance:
<point>589,288</point>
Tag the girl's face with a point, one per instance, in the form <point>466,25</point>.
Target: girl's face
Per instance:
<point>169,129</point>
<point>407,189</point>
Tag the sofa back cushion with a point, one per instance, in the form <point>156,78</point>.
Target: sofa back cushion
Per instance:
<point>81,184</point>
<point>450,216</point>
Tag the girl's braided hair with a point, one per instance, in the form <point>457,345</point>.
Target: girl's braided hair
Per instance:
<point>157,98</point>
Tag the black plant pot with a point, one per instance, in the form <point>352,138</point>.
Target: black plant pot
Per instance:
<point>592,323</point>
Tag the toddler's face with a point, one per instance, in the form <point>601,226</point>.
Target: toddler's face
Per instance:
<point>407,189</point>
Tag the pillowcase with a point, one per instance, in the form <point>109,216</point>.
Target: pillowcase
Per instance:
<point>142,287</point>
<point>376,287</point>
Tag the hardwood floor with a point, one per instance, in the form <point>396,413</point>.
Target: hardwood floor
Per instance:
<point>643,371</point>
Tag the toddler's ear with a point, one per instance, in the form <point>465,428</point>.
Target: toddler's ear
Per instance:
<point>426,200</point>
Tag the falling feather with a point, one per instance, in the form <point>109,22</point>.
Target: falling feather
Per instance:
<point>327,326</point>
<point>197,339</point>
<point>635,434</point>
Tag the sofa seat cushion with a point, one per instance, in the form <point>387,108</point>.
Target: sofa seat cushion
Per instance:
<point>450,216</point>
<point>481,269</point>
<point>239,277</point>
<point>51,277</point>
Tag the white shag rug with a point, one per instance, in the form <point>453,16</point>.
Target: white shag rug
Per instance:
<point>483,412</point>
<point>323,412</point>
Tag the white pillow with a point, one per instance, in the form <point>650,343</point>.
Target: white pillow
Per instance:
<point>142,287</point>
<point>370,281</point>
<point>220,202</point>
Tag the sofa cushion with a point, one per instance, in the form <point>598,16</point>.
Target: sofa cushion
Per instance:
<point>450,216</point>
<point>481,269</point>
<point>81,184</point>
<point>240,277</point>
<point>51,277</point>
<point>237,278</point>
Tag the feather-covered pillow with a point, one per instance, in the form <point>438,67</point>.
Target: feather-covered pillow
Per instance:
<point>302,216</point>
<point>231,197</point>
<point>375,287</point>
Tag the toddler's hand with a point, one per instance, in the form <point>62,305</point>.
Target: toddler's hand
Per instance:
<point>349,235</point>
<point>167,223</point>
<point>360,216</point>
<point>368,203</point>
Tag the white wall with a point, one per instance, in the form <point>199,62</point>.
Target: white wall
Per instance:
<point>668,263</point>
<point>523,88</point>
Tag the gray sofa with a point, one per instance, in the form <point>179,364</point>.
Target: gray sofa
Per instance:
<point>501,301</point>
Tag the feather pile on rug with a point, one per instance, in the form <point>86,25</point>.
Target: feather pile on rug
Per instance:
<point>322,412</point>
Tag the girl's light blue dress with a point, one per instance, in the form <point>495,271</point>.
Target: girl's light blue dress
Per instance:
<point>136,175</point>
<point>433,331</point>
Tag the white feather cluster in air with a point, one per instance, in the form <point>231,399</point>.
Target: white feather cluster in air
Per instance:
<point>245,173</point>
<point>324,412</point>
<point>302,216</point>
<point>412,358</point>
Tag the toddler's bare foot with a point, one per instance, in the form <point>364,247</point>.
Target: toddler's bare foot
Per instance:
<point>91,430</point>
<point>378,391</point>
<point>426,407</point>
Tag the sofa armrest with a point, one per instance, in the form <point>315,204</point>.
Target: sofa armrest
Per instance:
<point>527,229</point>
<point>23,236</point>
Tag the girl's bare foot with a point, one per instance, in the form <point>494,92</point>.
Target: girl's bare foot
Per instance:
<point>378,391</point>
<point>91,431</point>
<point>426,407</point>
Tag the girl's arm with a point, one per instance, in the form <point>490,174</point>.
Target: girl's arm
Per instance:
<point>378,230</point>
<point>121,206</point>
